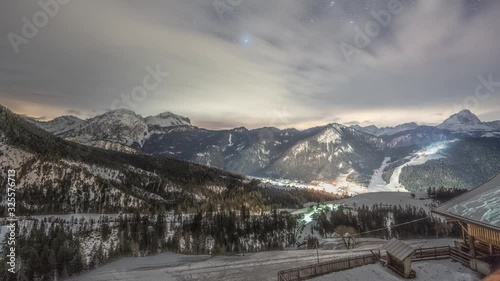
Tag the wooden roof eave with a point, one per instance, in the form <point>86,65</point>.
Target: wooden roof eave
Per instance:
<point>457,217</point>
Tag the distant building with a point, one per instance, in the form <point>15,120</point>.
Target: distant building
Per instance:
<point>478,213</point>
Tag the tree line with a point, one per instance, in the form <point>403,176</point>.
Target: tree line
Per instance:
<point>384,222</point>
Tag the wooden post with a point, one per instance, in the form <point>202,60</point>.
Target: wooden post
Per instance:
<point>471,245</point>
<point>464,237</point>
<point>317,253</point>
<point>435,252</point>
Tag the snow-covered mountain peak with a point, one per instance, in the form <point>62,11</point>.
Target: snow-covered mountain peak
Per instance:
<point>336,126</point>
<point>385,131</point>
<point>240,130</point>
<point>464,121</point>
<point>167,119</point>
<point>463,117</point>
<point>120,126</point>
<point>331,134</point>
<point>410,125</point>
<point>60,124</point>
<point>118,112</point>
<point>67,118</point>
<point>119,116</point>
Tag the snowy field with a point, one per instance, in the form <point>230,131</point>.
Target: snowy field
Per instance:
<point>173,267</point>
<point>262,266</point>
<point>388,199</point>
<point>340,186</point>
<point>438,270</point>
<point>86,217</point>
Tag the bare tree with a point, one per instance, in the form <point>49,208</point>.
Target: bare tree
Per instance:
<point>347,234</point>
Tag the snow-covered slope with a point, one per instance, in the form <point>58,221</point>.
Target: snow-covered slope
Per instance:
<point>334,150</point>
<point>493,124</point>
<point>420,136</point>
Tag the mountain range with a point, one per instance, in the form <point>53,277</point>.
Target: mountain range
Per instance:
<point>54,175</point>
<point>319,153</point>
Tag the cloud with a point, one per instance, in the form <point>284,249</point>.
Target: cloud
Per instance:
<point>266,57</point>
<point>74,112</point>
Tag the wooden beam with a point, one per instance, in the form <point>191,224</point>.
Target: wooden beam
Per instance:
<point>461,225</point>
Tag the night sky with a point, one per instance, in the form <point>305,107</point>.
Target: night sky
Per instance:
<point>253,63</point>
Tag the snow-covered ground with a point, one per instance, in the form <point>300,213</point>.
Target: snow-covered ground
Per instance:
<point>388,198</point>
<point>340,186</point>
<point>437,270</point>
<point>68,217</point>
<point>261,266</point>
<point>173,267</point>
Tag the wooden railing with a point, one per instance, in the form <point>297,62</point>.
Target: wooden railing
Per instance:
<point>460,256</point>
<point>310,271</point>
<point>431,253</point>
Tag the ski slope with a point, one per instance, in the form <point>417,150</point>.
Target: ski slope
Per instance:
<point>431,152</point>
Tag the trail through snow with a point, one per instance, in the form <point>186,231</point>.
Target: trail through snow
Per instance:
<point>431,152</point>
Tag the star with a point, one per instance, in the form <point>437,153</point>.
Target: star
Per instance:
<point>245,40</point>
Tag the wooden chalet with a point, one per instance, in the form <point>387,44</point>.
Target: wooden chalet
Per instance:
<point>478,213</point>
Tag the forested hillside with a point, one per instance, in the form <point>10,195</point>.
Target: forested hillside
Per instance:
<point>57,176</point>
<point>467,163</point>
